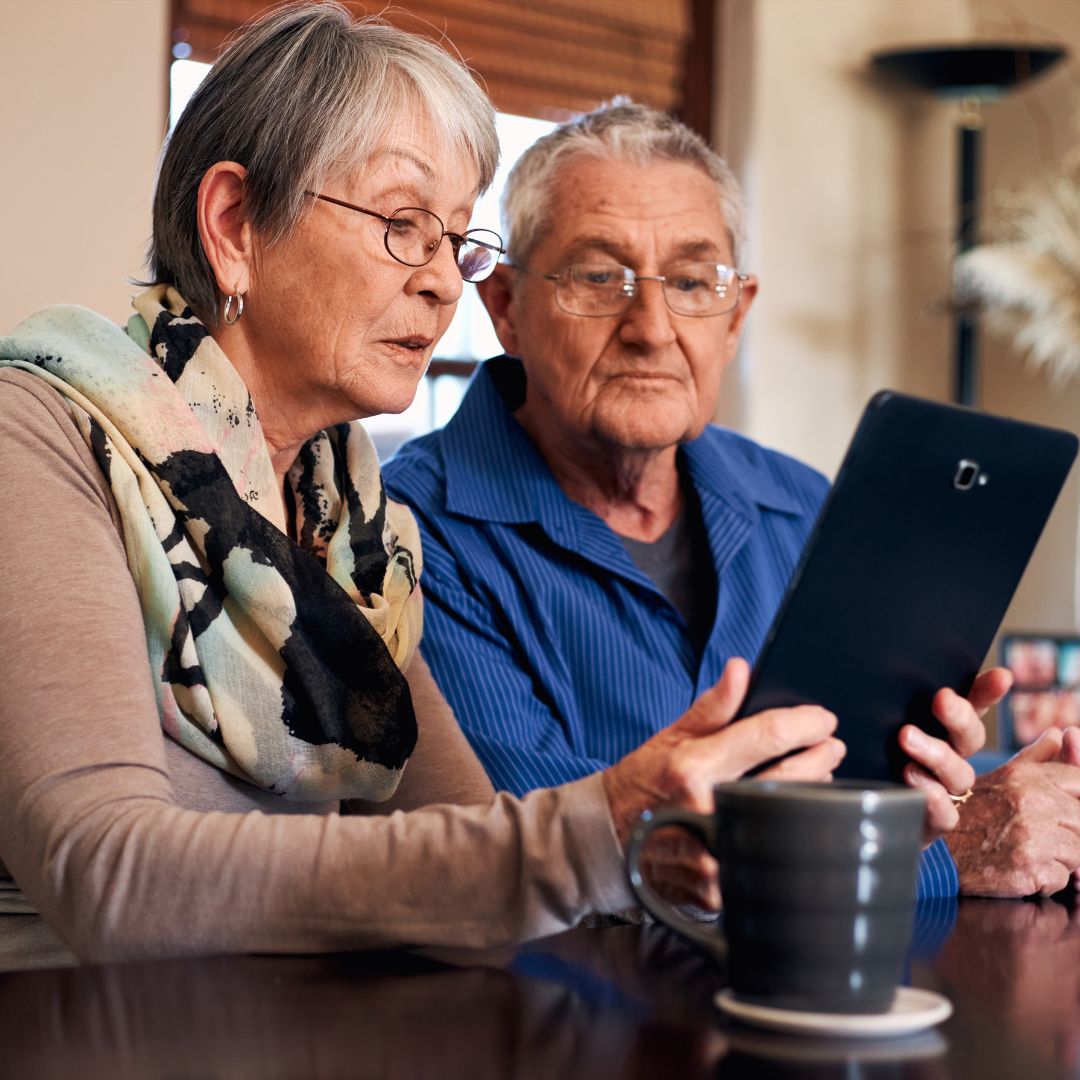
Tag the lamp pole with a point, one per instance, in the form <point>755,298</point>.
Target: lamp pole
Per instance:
<point>965,345</point>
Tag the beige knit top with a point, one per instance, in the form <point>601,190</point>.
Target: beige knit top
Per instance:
<point>128,846</point>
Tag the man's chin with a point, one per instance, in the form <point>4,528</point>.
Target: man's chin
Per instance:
<point>643,431</point>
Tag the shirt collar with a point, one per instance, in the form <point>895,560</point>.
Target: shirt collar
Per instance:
<point>493,470</point>
<point>733,468</point>
<point>495,473</point>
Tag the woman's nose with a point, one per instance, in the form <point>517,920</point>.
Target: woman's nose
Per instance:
<point>441,277</point>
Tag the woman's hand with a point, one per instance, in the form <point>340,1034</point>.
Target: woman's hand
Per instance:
<point>939,767</point>
<point>680,765</point>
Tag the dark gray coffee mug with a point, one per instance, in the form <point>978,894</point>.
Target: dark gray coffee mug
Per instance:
<point>818,884</point>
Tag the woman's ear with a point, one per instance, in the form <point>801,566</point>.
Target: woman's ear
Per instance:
<point>224,229</point>
<point>497,293</point>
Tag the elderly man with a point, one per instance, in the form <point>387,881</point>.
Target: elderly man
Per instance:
<point>595,551</point>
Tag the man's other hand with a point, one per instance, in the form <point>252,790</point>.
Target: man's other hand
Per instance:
<point>1019,835</point>
<point>939,767</point>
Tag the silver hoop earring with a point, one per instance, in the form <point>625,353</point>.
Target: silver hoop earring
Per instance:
<point>228,308</point>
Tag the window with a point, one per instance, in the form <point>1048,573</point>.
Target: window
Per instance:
<point>471,336</point>
<point>540,59</point>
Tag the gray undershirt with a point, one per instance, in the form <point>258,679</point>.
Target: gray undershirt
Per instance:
<point>680,565</point>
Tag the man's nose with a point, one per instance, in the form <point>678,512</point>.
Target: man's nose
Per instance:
<point>647,322</point>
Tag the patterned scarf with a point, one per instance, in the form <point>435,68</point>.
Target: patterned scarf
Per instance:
<point>278,661</point>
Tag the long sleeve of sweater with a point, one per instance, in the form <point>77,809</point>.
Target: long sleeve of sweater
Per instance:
<point>125,861</point>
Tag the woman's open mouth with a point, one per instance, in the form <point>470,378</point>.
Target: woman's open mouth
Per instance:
<point>413,344</point>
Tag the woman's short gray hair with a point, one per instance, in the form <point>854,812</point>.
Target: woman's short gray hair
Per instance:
<point>620,131</point>
<point>296,96</point>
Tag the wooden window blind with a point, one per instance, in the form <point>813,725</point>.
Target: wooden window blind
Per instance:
<point>543,58</point>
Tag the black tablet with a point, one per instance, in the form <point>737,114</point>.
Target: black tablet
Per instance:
<point>914,558</point>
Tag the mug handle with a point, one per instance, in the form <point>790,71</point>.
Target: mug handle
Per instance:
<point>702,826</point>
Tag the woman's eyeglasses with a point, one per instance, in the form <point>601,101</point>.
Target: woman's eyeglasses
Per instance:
<point>413,236</point>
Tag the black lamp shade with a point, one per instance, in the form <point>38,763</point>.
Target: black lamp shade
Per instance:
<point>980,71</point>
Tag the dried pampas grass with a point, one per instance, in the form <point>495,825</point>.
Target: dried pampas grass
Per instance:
<point>1029,281</point>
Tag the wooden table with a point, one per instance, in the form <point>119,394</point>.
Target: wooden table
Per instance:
<point>624,1001</point>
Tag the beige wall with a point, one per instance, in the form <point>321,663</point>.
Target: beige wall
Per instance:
<point>850,189</point>
<point>82,114</point>
<point>1024,136</point>
<point>851,183</point>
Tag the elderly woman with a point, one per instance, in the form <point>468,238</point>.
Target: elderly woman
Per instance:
<point>212,611</point>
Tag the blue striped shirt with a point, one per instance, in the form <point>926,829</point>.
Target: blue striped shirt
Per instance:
<point>557,654</point>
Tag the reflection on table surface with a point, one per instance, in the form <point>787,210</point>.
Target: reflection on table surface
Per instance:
<point>624,1001</point>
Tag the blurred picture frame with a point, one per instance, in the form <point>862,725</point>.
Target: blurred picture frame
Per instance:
<point>1046,686</point>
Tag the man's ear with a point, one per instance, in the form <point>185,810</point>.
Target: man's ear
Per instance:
<point>738,317</point>
<point>497,293</point>
<point>224,229</point>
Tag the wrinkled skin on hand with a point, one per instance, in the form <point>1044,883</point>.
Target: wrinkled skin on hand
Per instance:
<point>680,765</point>
<point>1019,835</point>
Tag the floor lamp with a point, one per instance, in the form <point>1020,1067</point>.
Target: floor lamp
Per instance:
<point>974,75</point>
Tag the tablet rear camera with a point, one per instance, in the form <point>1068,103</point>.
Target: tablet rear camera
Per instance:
<point>967,473</point>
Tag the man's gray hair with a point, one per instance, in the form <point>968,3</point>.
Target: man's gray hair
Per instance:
<point>620,131</point>
<point>296,97</point>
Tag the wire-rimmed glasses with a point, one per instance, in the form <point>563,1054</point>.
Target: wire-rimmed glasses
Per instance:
<point>413,236</point>
<point>698,289</point>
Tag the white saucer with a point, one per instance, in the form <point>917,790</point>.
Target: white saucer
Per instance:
<point>912,1010</point>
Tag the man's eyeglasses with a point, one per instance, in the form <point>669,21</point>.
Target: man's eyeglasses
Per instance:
<point>598,289</point>
<point>413,236</point>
